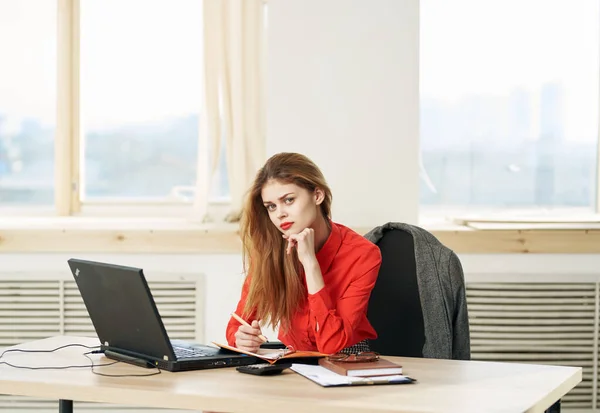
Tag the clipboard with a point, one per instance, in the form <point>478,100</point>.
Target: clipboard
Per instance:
<point>327,378</point>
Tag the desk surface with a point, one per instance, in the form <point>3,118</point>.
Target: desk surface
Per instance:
<point>443,385</point>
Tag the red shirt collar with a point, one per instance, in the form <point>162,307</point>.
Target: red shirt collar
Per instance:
<point>329,250</point>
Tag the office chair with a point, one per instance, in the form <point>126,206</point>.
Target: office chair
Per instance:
<point>394,307</point>
<point>418,305</point>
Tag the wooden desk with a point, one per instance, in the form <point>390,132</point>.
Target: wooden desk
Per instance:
<point>443,386</point>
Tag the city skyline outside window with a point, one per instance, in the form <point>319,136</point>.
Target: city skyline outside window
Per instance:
<point>142,98</point>
<point>141,101</point>
<point>509,104</point>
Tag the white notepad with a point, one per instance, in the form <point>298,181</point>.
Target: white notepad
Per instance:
<point>328,378</point>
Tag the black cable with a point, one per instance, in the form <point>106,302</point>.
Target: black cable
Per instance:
<point>46,351</point>
<point>118,375</point>
<point>56,367</point>
<point>92,365</point>
<point>18,350</point>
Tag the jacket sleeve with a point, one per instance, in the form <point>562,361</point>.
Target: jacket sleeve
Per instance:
<point>233,325</point>
<point>461,341</point>
<point>334,323</point>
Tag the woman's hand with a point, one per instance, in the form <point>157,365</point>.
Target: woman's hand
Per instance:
<point>304,242</point>
<point>246,338</point>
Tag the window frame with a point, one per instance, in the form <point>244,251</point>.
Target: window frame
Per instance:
<point>597,206</point>
<point>66,138</point>
<point>69,138</point>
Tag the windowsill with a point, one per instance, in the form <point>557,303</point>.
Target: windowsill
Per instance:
<point>108,223</point>
<point>171,235</point>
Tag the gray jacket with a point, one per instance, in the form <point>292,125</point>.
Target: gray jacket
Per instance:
<point>442,291</point>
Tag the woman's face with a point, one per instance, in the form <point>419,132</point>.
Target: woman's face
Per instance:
<point>290,207</point>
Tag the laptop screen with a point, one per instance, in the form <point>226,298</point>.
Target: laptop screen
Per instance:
<point>122,309</point>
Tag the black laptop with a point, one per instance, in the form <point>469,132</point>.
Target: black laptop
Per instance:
<point>129,326</point>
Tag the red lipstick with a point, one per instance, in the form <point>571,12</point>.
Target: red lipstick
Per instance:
<point>286,225</point>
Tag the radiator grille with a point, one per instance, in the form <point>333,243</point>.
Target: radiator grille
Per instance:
<point>36,309</point>
<point>537,323</point>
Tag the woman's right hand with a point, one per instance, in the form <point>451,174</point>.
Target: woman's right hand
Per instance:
<point>246,338</point>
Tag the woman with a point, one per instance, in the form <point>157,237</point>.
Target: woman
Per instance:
<point>307,275</point>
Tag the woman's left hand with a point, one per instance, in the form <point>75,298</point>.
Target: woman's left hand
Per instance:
<point>304,242</point>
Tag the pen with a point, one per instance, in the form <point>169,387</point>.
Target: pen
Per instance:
<point>244,322</point>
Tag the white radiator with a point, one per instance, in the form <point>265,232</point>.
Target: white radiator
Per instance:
<point>32,309</point>
<point>542,323</point>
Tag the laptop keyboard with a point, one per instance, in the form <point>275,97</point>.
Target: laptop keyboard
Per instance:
<point>182,352</point>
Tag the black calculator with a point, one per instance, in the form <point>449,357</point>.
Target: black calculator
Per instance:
<point>263,369</point>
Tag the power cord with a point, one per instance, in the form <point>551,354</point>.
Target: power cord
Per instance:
<point>92,365</point>
<point>117,375</point>
<point>48,351</point>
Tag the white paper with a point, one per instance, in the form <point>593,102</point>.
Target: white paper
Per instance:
<point>326,377</point>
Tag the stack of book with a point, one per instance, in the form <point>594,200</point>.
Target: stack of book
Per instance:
<point>381,367</point>
<point>338,373</point>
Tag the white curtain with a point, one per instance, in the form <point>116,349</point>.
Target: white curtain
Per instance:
<point>234,98</point>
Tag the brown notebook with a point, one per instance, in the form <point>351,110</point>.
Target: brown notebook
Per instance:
<point>273,355</point>
<point>380,367</point>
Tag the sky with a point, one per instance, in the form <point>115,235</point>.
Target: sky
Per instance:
<point>142,59</point>
<point>494,46</point>
<point>143,62</point>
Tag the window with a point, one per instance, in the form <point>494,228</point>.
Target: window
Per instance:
<point>141,95</point>
<point>129,107</point>
<point>509,105</point>
<point>27,102</point>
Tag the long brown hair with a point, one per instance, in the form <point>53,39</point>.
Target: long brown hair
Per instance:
<point>276,288</point>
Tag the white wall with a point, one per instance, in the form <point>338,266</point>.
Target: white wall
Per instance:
<point>343,89</point>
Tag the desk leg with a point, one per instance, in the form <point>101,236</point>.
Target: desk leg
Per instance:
<point>555,408</point>
<point>65,406</point>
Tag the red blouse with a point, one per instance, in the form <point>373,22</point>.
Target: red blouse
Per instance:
<point>336,316</point>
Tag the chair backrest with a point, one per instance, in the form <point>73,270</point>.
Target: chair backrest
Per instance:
<point>395,307</point>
